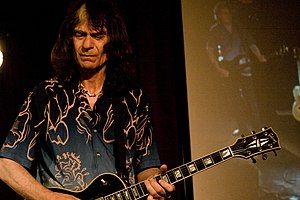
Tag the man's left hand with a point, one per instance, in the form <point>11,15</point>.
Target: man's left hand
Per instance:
<point>161,189</point>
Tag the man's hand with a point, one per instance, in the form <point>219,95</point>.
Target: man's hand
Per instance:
<point>161,189</point>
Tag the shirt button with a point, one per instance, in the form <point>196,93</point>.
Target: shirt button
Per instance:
<point>95,130</point>
<point>98,154</point>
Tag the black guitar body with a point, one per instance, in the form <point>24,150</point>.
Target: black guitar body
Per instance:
<point>103,185</point>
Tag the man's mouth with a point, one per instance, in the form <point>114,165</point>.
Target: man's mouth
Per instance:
<point>87,57</point>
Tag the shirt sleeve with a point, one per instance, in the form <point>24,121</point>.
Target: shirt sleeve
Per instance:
<point>20,144</point>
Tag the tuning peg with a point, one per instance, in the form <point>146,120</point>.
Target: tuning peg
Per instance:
<point>253,160</point>
<point>275,153</point>
<point>264,156</point>
<point>264,128</point>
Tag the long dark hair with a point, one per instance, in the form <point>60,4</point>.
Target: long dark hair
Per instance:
<point>120,70</point>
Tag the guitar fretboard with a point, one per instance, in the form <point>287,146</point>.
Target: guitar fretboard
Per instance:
<point>139,190</point>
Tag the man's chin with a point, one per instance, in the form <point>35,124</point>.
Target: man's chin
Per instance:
<point>91,69</point>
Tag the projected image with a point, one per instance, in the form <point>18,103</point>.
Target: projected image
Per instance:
<point>246,76</point>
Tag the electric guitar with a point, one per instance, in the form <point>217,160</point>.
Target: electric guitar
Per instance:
<point>111,187</point>
<point>240,62</point>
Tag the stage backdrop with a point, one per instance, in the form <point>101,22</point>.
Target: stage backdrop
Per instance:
<point>273,23</point>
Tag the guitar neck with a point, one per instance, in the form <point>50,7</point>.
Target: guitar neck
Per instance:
<point>139,190</point>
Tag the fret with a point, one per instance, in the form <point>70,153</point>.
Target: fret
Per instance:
<point>131,193</point>
<point>184,170</point>
<point>216,157</point>
<point>139,189</point>
<point>126,195</point>
<point>135,192</point>
<point>171,176</point>
<point>192,168</point>
<point>199,164</point>
<point>144,188</point>
<point>165,177</point>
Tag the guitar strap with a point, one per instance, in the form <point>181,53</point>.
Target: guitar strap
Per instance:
<point>120,139</point>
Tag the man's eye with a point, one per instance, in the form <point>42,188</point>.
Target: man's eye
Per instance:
<point>78,34</point>
<point>97,36</point>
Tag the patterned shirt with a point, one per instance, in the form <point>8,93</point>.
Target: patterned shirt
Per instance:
<point>70,143</point>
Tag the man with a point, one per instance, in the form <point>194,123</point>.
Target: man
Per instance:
<point>230,50</point>
<point>90,119</point>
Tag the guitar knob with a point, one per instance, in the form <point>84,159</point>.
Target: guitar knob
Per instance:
<point>253,132</point>
<point>275,153</point>
<point>264,128</point>
<point>253,160</point>
<point>104,182</point>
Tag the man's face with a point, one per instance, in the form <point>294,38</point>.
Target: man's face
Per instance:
<point>225,16</point>
<point>88,45</point>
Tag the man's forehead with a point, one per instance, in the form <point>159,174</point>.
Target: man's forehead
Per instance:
<point>85,26</point>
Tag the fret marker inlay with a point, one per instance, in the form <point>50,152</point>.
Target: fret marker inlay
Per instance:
<point>208,161</point>
<point>165,178</point>
<point>192,168</point>
<point>178,174</point>
<point>225,153</point>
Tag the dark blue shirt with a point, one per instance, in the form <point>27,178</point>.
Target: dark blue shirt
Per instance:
<point>71,143</point>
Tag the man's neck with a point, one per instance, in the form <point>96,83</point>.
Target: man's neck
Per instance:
<point>94,83</point>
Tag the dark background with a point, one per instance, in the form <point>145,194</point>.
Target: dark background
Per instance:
<point>28,30</point>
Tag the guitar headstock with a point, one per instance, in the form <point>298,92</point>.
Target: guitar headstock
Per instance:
<point>255,144</point>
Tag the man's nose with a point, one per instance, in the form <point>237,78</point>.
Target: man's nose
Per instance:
<point>88,42</point>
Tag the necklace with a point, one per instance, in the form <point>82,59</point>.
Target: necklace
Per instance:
<point>87,92</point>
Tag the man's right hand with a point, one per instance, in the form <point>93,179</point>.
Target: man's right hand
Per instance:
<point>22,182</point>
